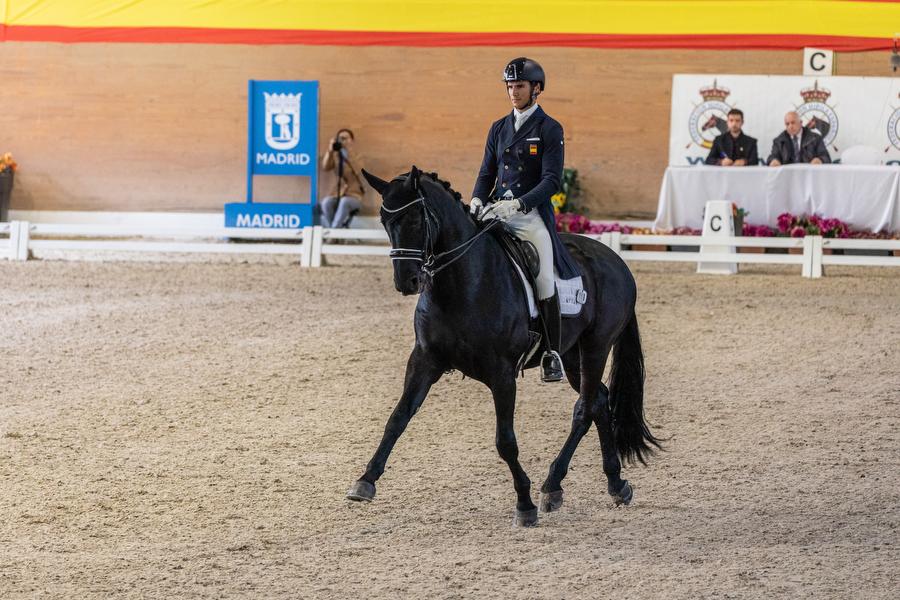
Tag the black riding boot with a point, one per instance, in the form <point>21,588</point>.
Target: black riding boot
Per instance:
<point>551,363</point>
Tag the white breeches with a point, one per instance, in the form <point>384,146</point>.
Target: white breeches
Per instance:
<point>530,227</point>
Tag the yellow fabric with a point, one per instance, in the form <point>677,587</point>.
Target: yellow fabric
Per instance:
<point>639,17</point>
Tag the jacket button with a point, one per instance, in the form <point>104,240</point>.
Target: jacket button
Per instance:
<point>520,168</point>
<point>506,167</point>
<point>504,185</point>
<point>518,185</point>
<point>507,149</point>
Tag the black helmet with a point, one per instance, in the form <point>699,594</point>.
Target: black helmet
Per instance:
<point>524,69</point>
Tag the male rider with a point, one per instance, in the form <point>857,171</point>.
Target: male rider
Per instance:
<point>522,168</point>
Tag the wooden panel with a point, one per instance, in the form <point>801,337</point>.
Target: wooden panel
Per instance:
<point>163,127</point>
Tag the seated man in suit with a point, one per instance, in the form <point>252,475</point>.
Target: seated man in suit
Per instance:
<point>733,148</point>
<point>796,144</point>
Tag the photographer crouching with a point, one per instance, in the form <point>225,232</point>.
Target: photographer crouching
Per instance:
<point>338,208</point>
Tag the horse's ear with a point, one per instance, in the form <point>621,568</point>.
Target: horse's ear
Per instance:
<point>414,174</point>
<point>379,185</point>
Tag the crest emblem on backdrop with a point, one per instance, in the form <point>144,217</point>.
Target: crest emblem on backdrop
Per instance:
<point>282,120</point>
<point>818,116</point>
<point>893,129</point>
<point>709,118</point>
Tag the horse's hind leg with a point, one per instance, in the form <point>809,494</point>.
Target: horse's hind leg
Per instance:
<point>421,374</point>
<point>617,487</point>
<point>591,364</point>
<point>504,392</point>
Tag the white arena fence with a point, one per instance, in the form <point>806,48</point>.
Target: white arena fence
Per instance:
<point>21,240</point>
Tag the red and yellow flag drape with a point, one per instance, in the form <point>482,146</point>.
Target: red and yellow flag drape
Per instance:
<point>848,25</point>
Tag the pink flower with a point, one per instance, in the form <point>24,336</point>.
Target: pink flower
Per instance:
<point>785,222</point>
<point>797,231</point>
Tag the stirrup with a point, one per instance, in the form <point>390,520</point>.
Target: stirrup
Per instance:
<point>551,367</point>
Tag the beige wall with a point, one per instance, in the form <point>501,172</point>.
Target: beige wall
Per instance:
<point>163,127</point>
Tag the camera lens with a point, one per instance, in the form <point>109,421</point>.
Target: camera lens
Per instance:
<point>336,146</point>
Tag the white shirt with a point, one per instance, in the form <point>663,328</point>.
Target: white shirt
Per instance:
<point>522,116</point>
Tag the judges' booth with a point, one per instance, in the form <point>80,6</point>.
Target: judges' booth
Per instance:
<point>282,139</point>
<point>858,119</point>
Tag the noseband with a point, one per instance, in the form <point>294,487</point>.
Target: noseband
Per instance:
<point>432,263</point>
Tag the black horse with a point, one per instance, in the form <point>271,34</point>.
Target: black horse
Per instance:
<point>472,317</point>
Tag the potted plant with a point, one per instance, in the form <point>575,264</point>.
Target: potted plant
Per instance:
<point>742,230</point>
<point>8,169</point>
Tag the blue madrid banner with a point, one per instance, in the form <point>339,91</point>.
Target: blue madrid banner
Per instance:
<point>283,139</point>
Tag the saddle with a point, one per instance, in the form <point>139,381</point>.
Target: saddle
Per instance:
<point>525,259</point>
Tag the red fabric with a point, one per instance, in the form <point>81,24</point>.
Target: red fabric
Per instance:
<point>176,35</point>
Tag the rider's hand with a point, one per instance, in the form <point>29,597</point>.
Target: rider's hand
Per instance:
<point>503,209</point>
<point>475,206</point>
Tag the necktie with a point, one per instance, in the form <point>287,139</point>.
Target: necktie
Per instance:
<point>796,148</point>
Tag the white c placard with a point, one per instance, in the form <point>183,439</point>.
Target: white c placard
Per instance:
<point>717,222</point>
<point>818,61</point>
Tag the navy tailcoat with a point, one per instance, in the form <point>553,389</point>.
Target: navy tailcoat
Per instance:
<point>529,163</point>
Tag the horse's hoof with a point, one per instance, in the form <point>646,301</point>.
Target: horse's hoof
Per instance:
<point>551,501</point>
<point>624,495</point>
<point>361,491</point>
<point>526,518</point>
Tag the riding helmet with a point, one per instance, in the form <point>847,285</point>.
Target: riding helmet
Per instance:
<point>524,69</point>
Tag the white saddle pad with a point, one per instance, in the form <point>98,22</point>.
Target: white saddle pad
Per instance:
<point>572,295</point>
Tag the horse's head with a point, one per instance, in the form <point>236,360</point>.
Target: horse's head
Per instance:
<point>715,121</point>
<point>410,227</point>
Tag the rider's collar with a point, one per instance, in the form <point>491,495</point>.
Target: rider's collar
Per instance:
<point>521,115</point>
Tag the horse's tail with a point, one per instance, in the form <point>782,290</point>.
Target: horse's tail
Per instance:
<point>626,396</point>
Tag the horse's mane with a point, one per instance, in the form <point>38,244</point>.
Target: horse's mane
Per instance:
<point>446,185</point>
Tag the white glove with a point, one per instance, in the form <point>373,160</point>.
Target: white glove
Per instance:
<point>475,206</point>
<point>503,209</point>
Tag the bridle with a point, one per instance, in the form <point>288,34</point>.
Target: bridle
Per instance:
<point>432,263</point>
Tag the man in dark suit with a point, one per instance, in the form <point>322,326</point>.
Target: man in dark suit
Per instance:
<point>521,169</point>
<point>733,148</point>
<point>796,144</point>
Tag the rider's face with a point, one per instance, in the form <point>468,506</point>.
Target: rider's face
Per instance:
<point>519,93</point>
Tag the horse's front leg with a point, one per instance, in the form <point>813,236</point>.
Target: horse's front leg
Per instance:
<point>504,391</point>
<point>421,373</point>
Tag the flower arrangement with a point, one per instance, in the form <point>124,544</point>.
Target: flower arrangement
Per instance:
<point>566,200</point>
<point>788,225</point>
<point>575,223</point>
<point>7,162</point>
<point>799,226</point>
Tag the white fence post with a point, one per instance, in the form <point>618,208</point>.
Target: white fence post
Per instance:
<point>812,256</point>
<point>19,232</point>
<point>615,241</point>
<point>318,239</point>
<point>816,259</point>
<point>605,239</point>
<point>306,256</point>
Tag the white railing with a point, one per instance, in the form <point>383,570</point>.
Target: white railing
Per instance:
<point>25,240</point>
<point>19,240</point>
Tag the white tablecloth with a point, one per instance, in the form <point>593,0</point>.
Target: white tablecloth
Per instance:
<point>865,197</point>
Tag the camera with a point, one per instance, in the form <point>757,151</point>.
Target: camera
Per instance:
<point>337,146</point>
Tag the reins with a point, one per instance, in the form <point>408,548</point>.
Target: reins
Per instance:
<point>430,261</point>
